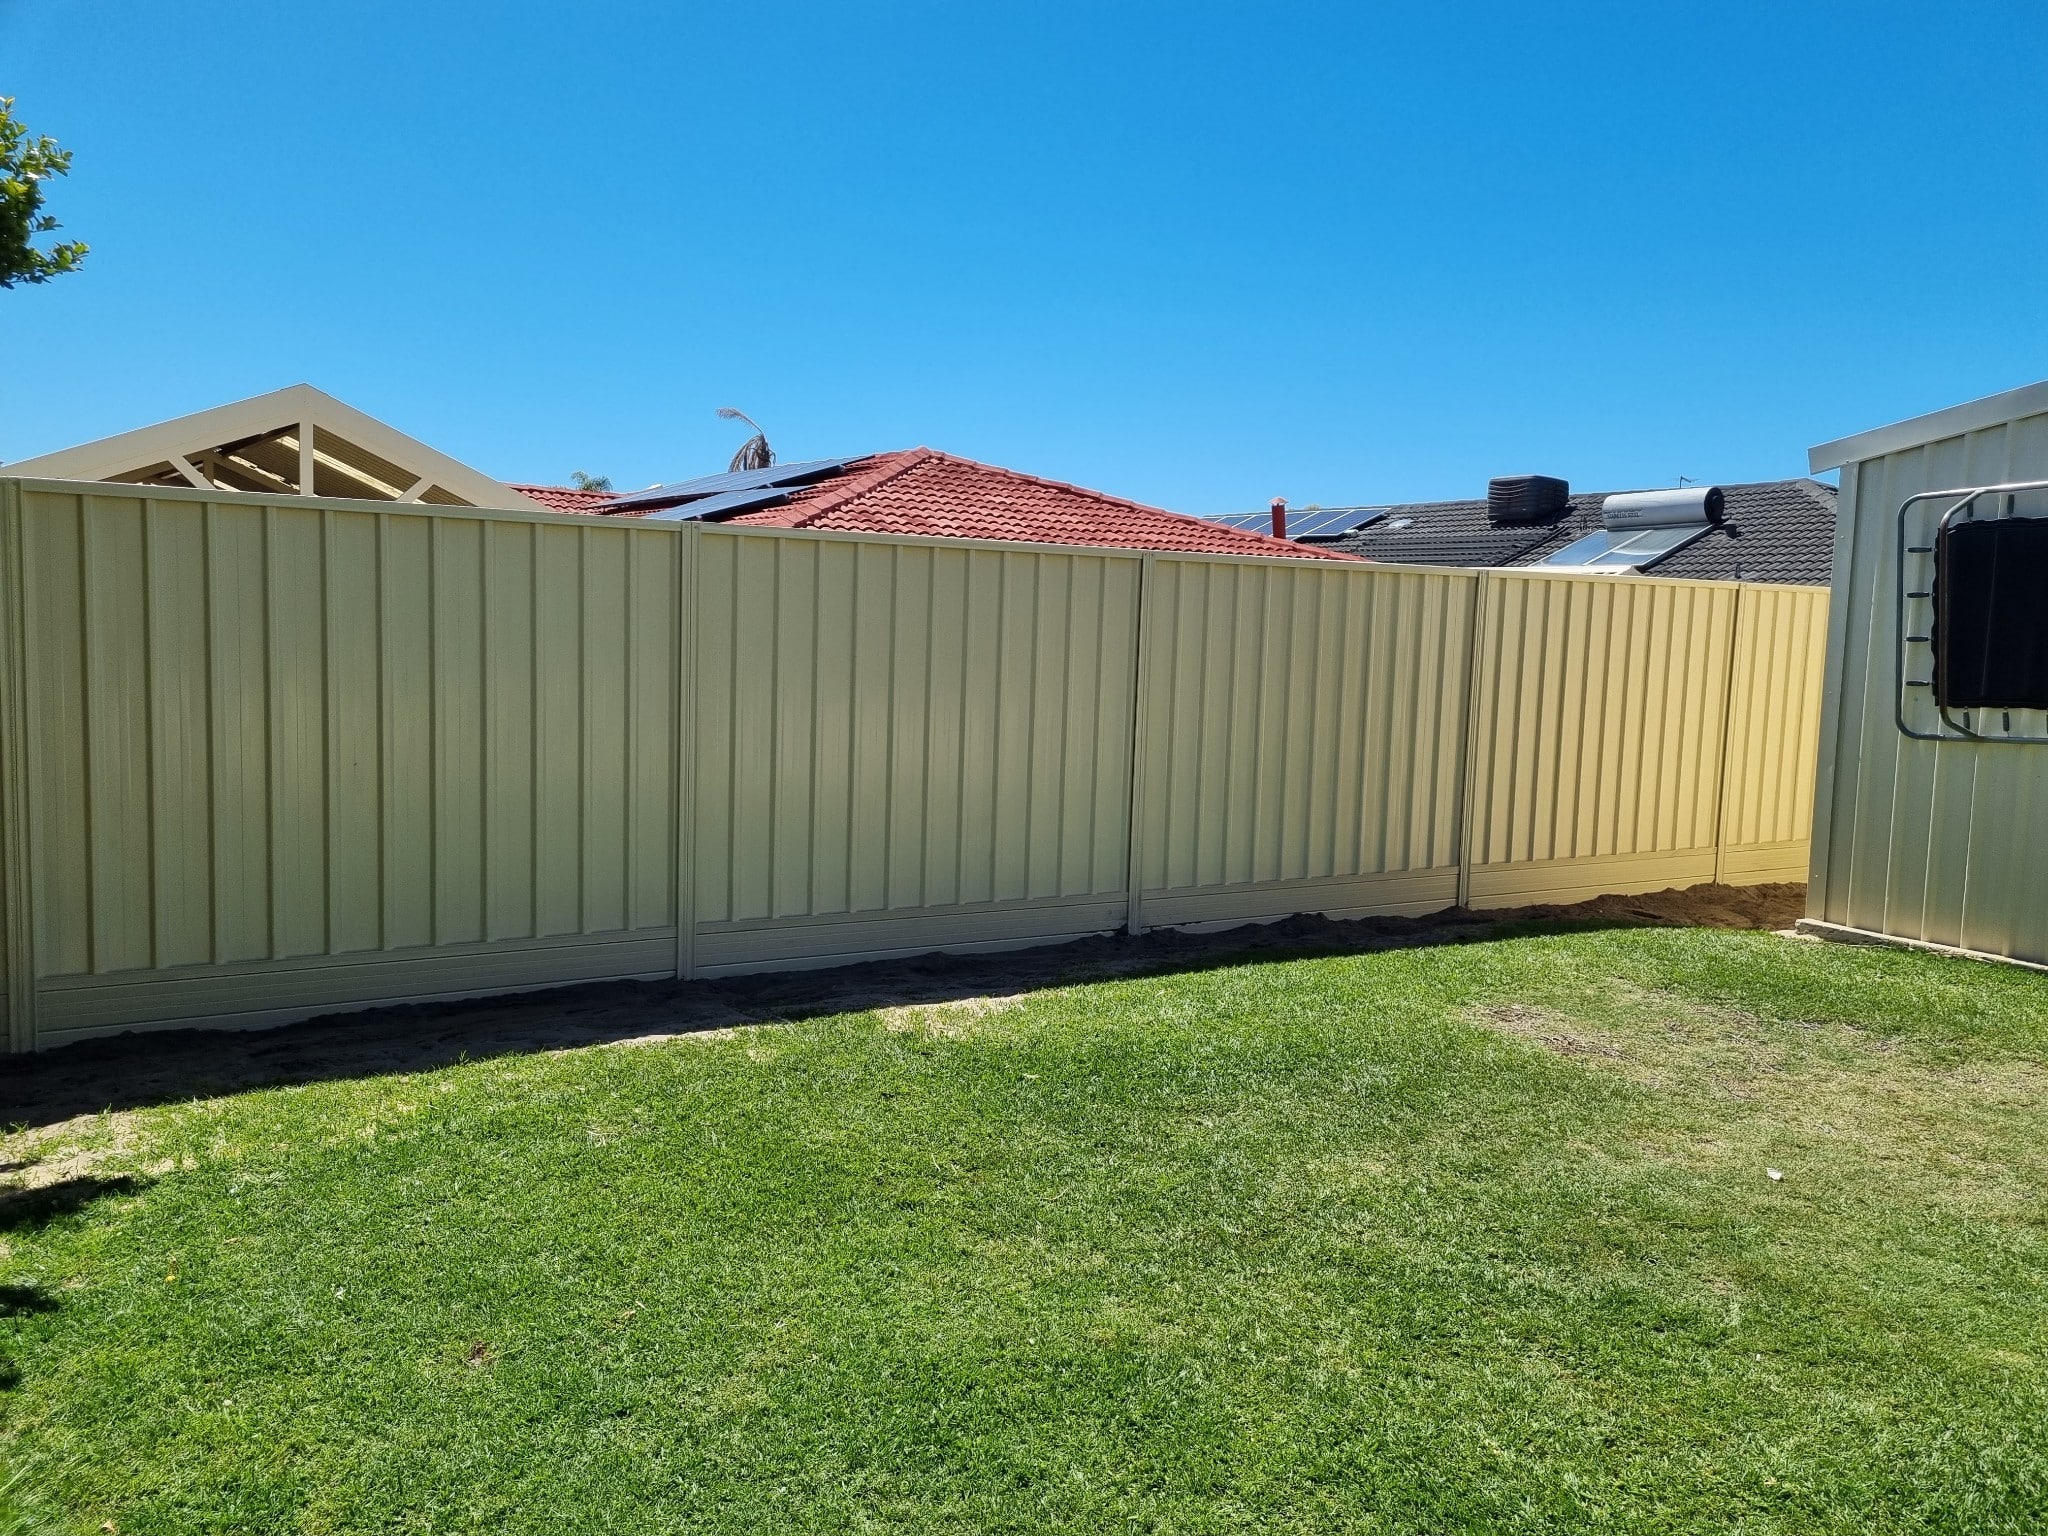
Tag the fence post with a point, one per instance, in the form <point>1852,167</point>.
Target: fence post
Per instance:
<point>686,750</point>
<point>17,888</point>
<point>1468,746</point>
<point>1134,865</point>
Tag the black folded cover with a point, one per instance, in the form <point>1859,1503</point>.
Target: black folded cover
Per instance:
<point>1991,614</point>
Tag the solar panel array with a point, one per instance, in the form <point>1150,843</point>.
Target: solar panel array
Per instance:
<point>713,506</point>
<point>1307,523</point>
<point>734,480</point>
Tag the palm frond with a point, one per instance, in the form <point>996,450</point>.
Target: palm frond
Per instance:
<point>754,453</point>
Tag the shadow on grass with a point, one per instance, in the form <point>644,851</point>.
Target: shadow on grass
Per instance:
<point>26,1209</point>
<point>20,1301</point>
<point>135,1070</point>
<point>25,1300</point>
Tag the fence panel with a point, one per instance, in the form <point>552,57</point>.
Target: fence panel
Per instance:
<point>1303,737</point>
<point>904,744</point>
<point>286,756</point>
<point>1597,736</point>
<point>1774,701</point>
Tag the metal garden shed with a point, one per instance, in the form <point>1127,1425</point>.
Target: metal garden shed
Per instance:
<point>1931,810</point>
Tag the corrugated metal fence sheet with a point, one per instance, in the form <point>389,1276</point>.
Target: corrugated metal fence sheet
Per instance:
<point>1774,694</point>
<point>269,759</point>
<point>286,756</point>
<point>1303,732</point>
<point>1942,842</point>
<point>905,744</point>
<point>1597,736</point>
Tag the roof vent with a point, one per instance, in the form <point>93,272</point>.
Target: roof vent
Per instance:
<point>1526,498</point>
<point>1691,506</point>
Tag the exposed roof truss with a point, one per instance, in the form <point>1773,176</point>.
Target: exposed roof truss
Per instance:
<point>292,442</point>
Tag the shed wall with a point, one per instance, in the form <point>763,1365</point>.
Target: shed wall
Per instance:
<point>1945,842</point>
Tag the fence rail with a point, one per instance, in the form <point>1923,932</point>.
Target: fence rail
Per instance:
<point>268,759</point>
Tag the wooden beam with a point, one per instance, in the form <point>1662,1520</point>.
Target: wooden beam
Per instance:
<point>418,488</point>
<point>368,489</point>
<point>258,477</point>
<point>184,467</point>
<point>306,460</point>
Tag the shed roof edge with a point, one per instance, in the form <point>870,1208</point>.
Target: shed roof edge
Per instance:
<point>1917,431</point>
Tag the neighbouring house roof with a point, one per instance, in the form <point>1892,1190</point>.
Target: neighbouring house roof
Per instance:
<point>1773,530</point>
<point>297,441</point>
<point>565,498</point>
<point>921,491</point>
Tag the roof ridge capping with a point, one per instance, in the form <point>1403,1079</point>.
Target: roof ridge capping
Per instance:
<point>1125,502</point>
<point>838,490</point>
<point>1934,427</point>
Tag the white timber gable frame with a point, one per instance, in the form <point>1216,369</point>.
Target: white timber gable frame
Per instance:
<point>296,441</point>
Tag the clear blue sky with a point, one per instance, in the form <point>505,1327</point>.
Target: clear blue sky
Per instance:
<point>1195,254</point>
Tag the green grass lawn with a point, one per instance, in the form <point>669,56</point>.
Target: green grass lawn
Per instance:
<point>1466,1238</point>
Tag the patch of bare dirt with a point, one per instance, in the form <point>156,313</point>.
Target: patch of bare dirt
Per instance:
<point>1546,1029</point>
<point>67,1150</point>
<point>1699,906</point>
<point>934,992</point>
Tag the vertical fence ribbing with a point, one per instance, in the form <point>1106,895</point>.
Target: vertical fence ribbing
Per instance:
<point>1721,778</point>
<point>1134,806</point>
<point>1468,751</point>
<point>17,894</point>
<point>685,736</point>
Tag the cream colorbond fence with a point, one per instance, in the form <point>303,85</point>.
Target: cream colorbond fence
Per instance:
<point>1597,735</point>
<point>263,760</point>
<point>1303,734</point>
<point>279,758</point>
<point>904,744</point>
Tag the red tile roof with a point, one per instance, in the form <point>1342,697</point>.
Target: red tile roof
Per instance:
<point>921,491</point>
<point>566,498</point>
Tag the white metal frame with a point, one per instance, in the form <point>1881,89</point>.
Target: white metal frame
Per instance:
<point>1966,500</point>
<point>191,445</point>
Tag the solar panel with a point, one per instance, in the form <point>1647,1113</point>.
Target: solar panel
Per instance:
<point>734,480</point>
<point>1623,549</point>
<point>1254,522</point>
<point>1331,522</point>
<point>1308,523</point>
<point>713,506</point>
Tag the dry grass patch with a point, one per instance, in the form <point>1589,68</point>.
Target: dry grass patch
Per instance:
<point>1545,1028</point>
<point>1733,1087</point>
<point>953,1019</point>
<point>78,1148</point>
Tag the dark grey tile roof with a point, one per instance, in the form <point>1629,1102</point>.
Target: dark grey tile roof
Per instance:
<point>1775,530</point>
